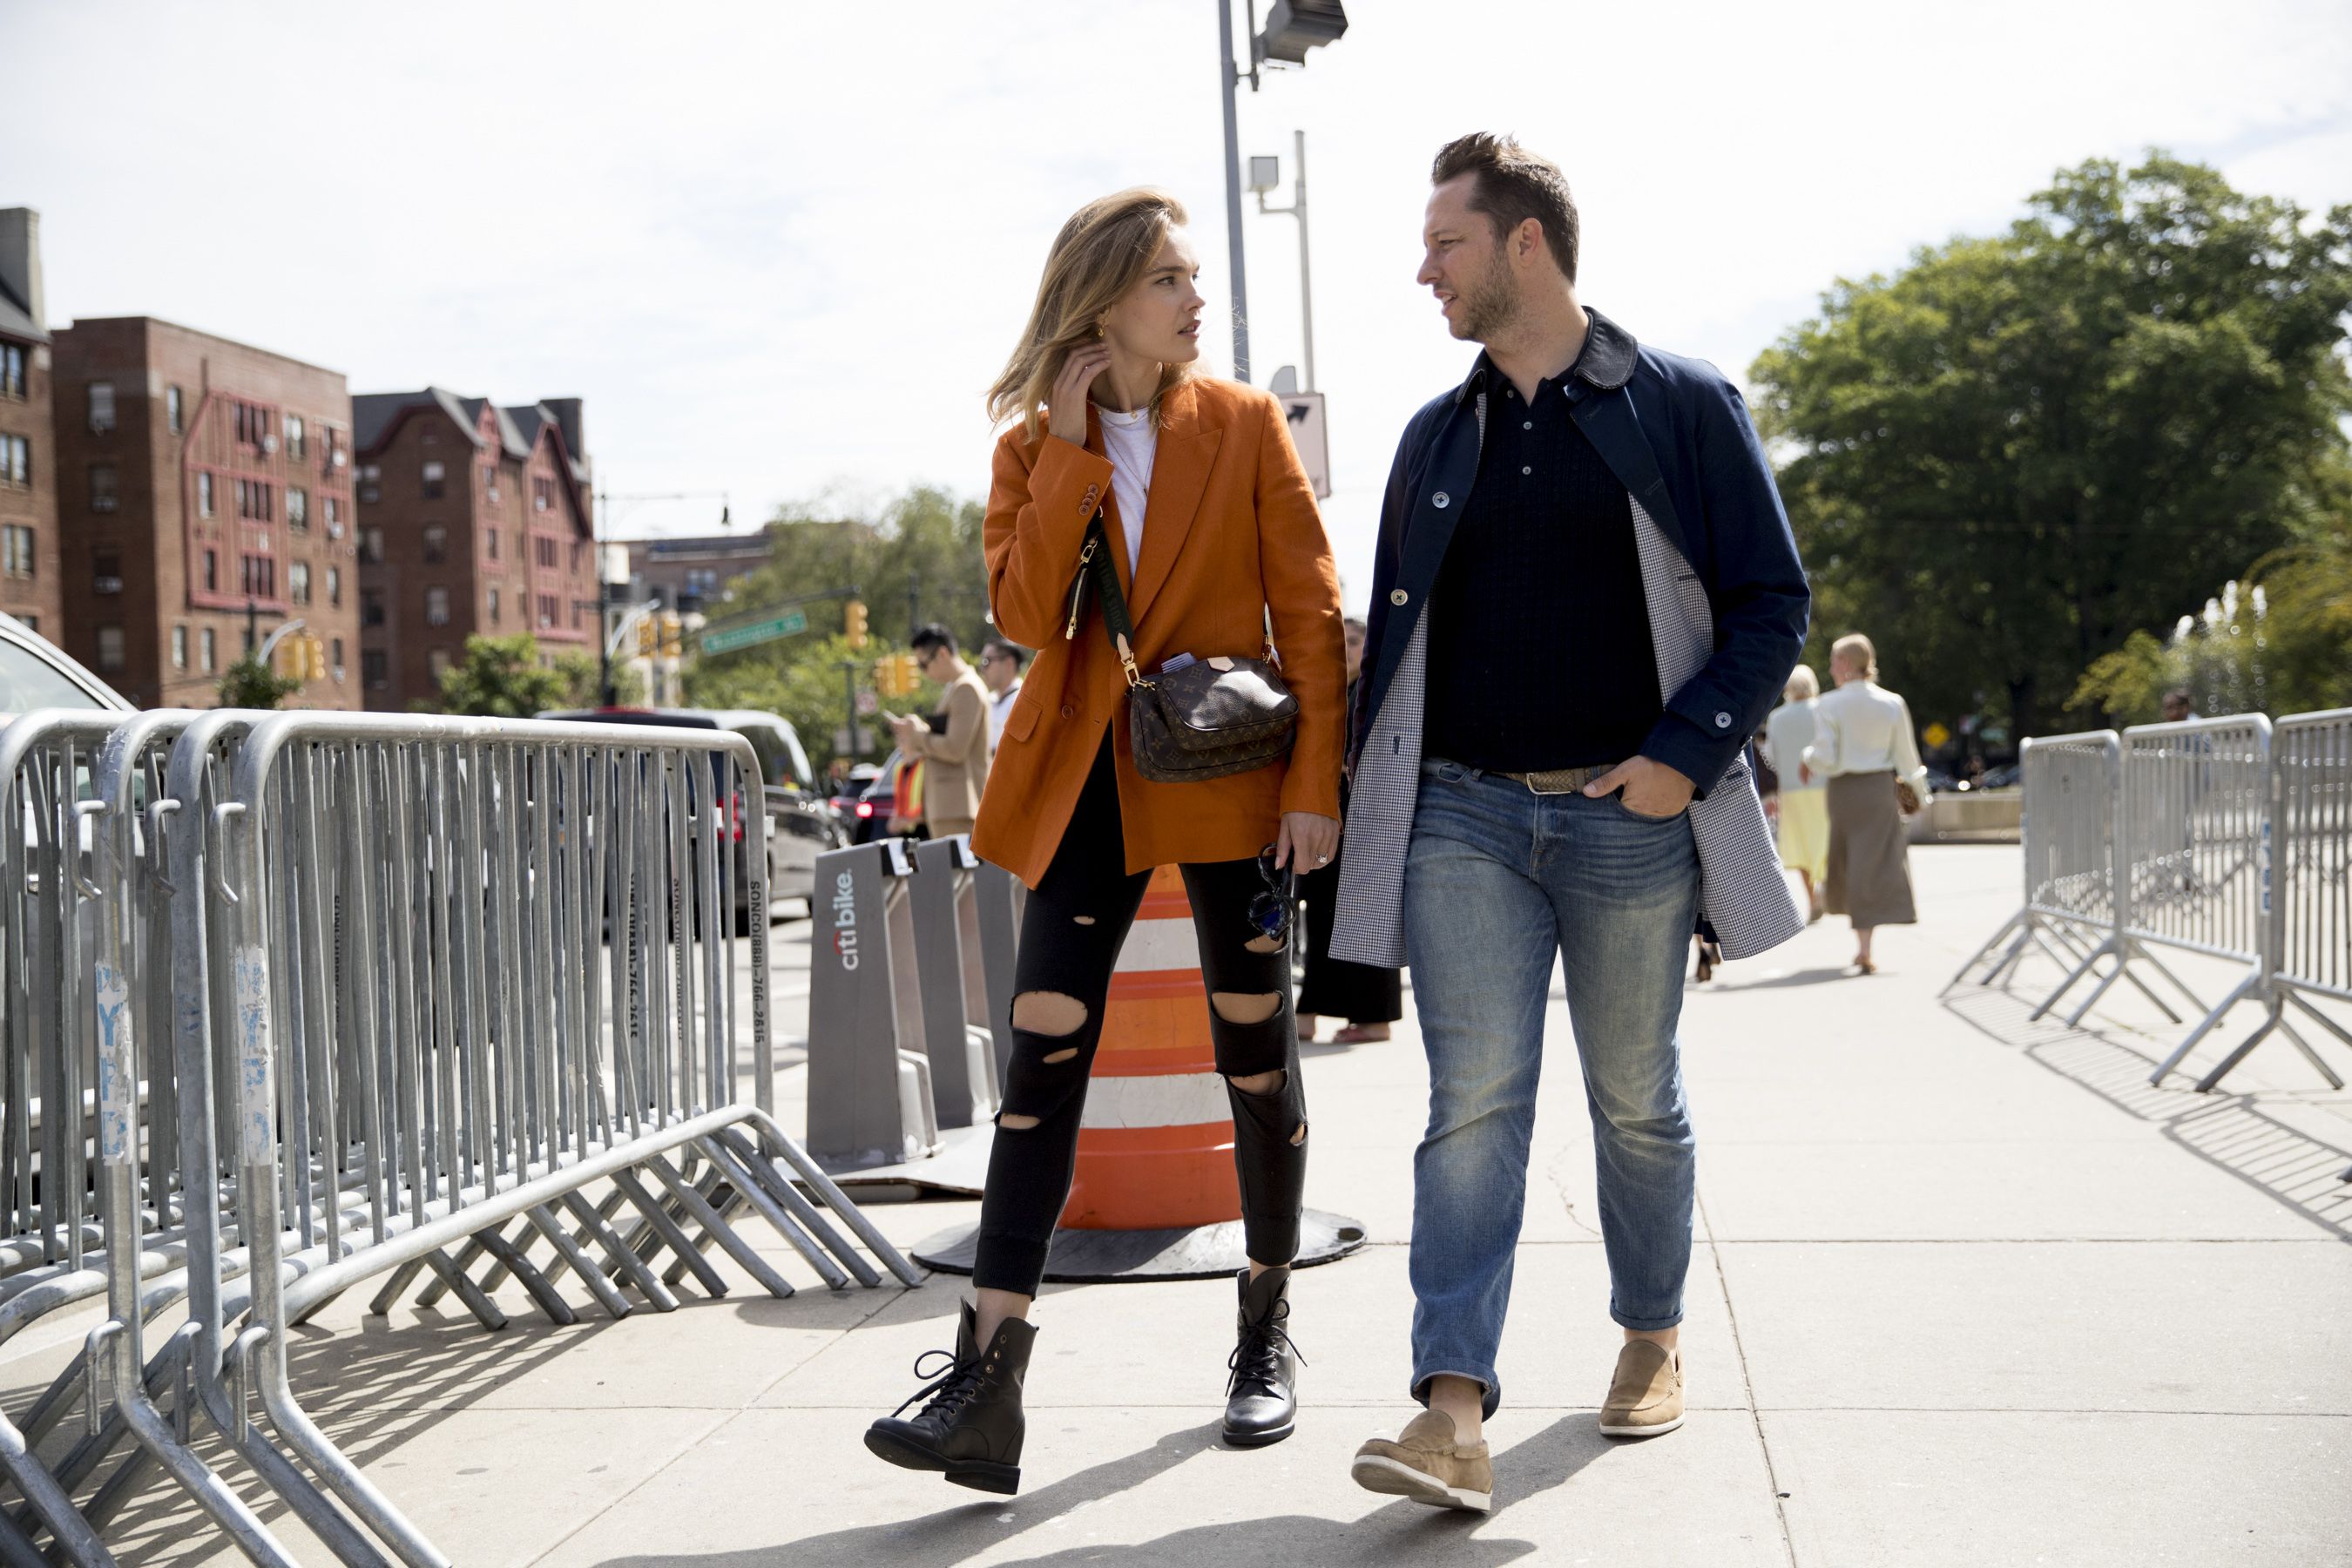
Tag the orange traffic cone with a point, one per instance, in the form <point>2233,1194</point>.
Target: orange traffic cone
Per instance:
<point>1156,1144</point>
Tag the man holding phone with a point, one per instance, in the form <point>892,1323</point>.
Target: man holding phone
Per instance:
<point>953,743</point>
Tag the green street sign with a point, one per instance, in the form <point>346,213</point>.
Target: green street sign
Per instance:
<point>769,630</point>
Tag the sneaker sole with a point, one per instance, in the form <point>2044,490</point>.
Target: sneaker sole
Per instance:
<point>1658,1429</point>
<point>980,1475</point>
<point>1393,1477</point>
<point>1256,1439</point>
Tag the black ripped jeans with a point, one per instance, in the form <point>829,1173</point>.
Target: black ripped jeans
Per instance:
<point>1071,932</point>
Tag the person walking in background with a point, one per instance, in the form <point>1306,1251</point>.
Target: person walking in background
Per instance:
<point>1370,997</point>
<point>1804,807</point>
<point>1000,667</point>
<point>1189,490</point>
<point>953,744</point>
<point>2178,706</point>
<point>1864,751</point>
<point>1579,503</point>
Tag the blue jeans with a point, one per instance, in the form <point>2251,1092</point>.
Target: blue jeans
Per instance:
<point>1497,881</point>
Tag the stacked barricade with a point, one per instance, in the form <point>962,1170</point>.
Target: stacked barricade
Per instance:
<point>349,997</point>
<point>2229,838</point>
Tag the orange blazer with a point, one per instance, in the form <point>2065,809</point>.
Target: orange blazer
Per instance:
<point>1231,533</point>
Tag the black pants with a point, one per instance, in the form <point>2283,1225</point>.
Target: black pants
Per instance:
<point>1071,932</point>
<point>1334,987</point>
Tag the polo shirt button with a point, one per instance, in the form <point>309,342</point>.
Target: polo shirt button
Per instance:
<point>1068,711</point>
<point>1526,471</point>
<point>1723,721</point>
<point>1441,501</point>
<point>1398,596</point>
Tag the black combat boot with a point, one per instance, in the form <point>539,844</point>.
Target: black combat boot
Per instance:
<point>1262,1399</point>
<point>971,1426</point>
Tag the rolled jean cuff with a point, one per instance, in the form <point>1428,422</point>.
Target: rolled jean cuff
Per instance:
<point>1485,1379</point>
<point>1644,1325</point>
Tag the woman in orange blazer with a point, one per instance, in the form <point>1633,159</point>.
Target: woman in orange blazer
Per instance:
<point>1214,537</point>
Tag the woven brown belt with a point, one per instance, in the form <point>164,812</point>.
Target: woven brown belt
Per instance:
<point>1558,781</point>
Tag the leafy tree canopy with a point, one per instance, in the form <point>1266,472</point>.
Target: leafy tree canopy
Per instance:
<point>249,683</point>
<point>502,678</point>
<point>2018,450</point>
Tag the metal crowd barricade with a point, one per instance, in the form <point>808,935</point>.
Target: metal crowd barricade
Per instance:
<point>292,1001</point>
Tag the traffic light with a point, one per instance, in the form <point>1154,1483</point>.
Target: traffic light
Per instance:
<point>910,674</point>
<point>673,636</point>
<point>649,638</point>
<point>314,658</point>
<point>854,622</point>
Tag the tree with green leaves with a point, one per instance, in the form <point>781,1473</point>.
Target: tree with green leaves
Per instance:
<point>2010,455</point>
<point>249,683</point>
<point>504,678</point>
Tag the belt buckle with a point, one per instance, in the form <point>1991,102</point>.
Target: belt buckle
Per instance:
<point>1577,779</point>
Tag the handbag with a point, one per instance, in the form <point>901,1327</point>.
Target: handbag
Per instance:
<point>1906,799</point>
<point>1210,720</point>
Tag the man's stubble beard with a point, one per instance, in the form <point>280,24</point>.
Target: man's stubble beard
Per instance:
<point>1491,305</point>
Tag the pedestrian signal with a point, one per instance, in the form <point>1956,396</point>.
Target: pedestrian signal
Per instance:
<point>854,623</point>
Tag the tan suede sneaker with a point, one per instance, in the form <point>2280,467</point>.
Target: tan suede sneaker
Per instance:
<point>1645,1398</point>
<point>1424,1463</point>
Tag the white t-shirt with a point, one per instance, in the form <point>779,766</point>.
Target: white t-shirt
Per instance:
<point>1129,440</point>
<point>1000,709</point>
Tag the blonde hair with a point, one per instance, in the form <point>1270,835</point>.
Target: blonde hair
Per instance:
<point>1802,687</point>
<point>1098,259</point>
<point>1854,650</point>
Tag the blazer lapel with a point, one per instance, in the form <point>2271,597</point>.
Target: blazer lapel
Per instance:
<point>1179,475</point>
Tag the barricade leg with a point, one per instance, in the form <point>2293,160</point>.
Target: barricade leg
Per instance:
<point>2238,993</point>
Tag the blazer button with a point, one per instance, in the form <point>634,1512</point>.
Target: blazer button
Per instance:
<point>1068,711</point>
<point>1441,501</point>
<point>1723,721</point>
<point>1398,597</point>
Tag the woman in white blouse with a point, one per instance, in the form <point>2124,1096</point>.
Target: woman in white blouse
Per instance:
<point>1864,746</point>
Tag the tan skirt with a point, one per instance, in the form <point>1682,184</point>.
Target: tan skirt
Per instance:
<point>1869,861</point>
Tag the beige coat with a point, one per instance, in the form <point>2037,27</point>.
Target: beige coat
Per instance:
<point>955,771</point>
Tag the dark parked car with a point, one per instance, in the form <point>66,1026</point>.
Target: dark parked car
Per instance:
<point>800,822</point>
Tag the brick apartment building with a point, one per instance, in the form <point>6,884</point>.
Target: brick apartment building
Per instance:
<point>696,567</point>
<point>473,519</point>
<point>29,476</point>
<point>204,497</point>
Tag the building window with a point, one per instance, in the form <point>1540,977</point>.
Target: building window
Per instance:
<point>336,655</point>
<point>294,435</point>
<point>259,577</point>
<point>331,451</point>
<point>110,648</point>
<point>204,495</point>
<point>11,369</point>
<point>179,638</point>
<point>256,502</point>
<point>544,550</point>
<point>334,518</point>
<point>494,606</point>
<point>372,546</point>
<point>437,661</point>
<point>372,483</point>
<point>335,589</point>
<point>436,606</point>
<point>106,570</point>
<point>436,480</point>
<point>548,609</point>
<point>543,494</point>
<point>101,407</point>
<point>16,552</point>
<point>375,668</point>
<point>491,484</point>
<point>16,461</point>
<point>253,427</point>
<point>104,484</point>
<point>371,606</point>
<point>298,581</point>
<point>298,509</point>
<point>437,546</point>
<point>175,415</point>
<point>490,549</point>
<point>210,642</point>
<point>212,577</point>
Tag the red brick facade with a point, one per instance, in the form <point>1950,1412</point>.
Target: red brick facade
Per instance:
<point>474,519</point>
<point>205,489</point>
<point>28,470</point>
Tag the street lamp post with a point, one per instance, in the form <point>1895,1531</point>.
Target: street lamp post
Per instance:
<point>1292,27</point>
<point>1271,168</point>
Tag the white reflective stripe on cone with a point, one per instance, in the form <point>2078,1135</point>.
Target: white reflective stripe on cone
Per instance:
<point>1165,1099</point>
<point>1159,944</point>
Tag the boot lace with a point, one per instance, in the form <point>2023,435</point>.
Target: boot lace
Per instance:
<point>948,1392</point>
<point>1257,1356</point>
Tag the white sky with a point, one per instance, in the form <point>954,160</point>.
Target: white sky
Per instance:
<point>782,246</point>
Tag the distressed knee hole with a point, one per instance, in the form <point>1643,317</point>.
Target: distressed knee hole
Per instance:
<point>1048,1013</point>
<point>1234,1007</point>
<point>1061,1056</point>
<point>1082,920</point>
<point>1261,1083</point>
<point>1300,1136</point>
<point>1013,1123</point>
<point>1263,944</point>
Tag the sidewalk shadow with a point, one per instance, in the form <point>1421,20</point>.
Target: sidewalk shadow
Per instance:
<point>1399,1533</point>
<point>2232,1132</point>
<point>1796,977</point>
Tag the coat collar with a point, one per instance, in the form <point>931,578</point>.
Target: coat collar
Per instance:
<point>1604,363</point>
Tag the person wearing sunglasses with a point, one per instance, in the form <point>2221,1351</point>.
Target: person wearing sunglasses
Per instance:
<point>1000,668</point>
<point>1192,487</point>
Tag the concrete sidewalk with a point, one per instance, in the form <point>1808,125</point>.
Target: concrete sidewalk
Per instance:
<point>1968,1292</point>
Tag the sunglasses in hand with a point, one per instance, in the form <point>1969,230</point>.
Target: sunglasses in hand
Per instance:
<point>1270,912</point>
